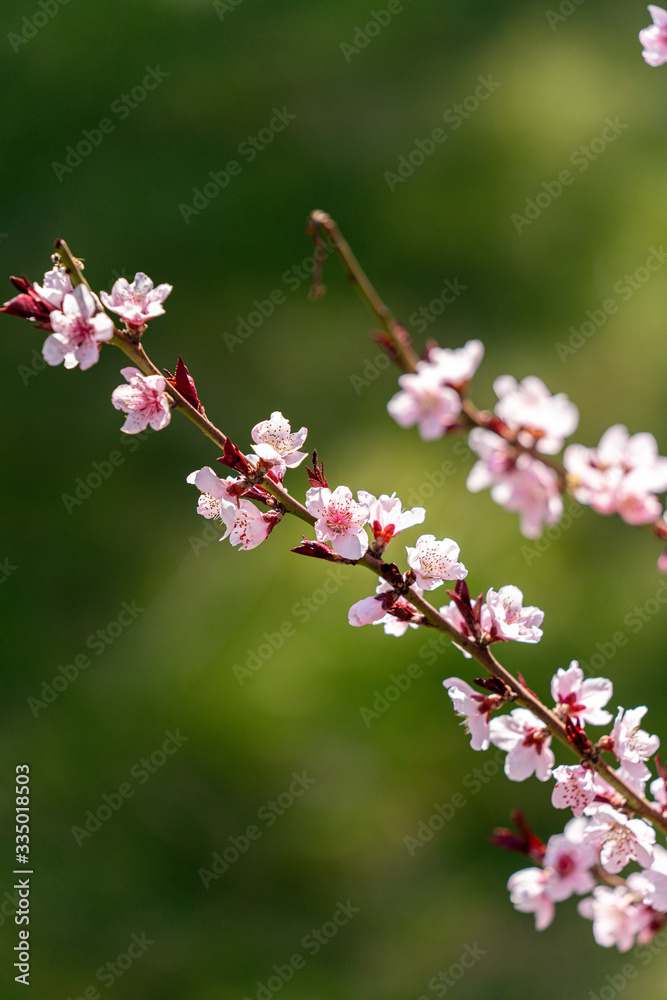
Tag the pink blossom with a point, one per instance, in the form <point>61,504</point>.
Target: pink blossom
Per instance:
<point>475,707</point>
<point>457,367</point>
<point>620,839</point>
<point>590,480</point>
<point>435,561</point>
<point>529,893</point>
<point>392,625</point>
<point>340,520</point>
<point>57,285</point>
<point>620,476</point>
<point>144,400</point>
<point>276,445</point>
<point>425,400</point>
<point>497,459</point>
<point>245,525</point>
<point>632,745</point>
<point>504,617</point>
<point>527,743</point>
<point>617,917</point>
<point>580,699</point>
<point>78,330</point>
<point>635,502</point>
<point>654,38</point>
<point>569,860</point>
<point>138,302</point>
<point>539,419</point>
<point>575,788</point>
<point>387,517</point>
<point>518,482</point>
<point>214,492</point>
<point>532,490</point>
<point>368,610</point>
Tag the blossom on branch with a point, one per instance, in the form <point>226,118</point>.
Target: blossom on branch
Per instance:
<point>620,476</point>
<point>475,707</point>
<point>78,330</point>
<point>539,419</point>
<point>276,445</point>
<point>632,745</point>
<point>575,788</point>
<point>527,742</point>
<point>567,863</point>
<point>619,839</point>
<point>425,400</point>
<point>569,859</point>
<point>144,400</point>
<point>529,893</point>
<point>387,518</point>
<point>517,481</point>
<point>245,525</point>
<point>340,520</point>
<point>214,491</point>
<point>368,610</point>
<point>504,617</point>
<point>138,302</point>
<point>457,367</point>
<point>397,621</point>
<point>579,699</point>
<point>57,285</point>
<point>435,561</point>
<point>617,916</point>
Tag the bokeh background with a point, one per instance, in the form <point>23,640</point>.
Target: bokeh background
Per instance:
<point>205,608</point>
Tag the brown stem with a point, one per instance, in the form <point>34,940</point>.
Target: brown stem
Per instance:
<point>406,356</point>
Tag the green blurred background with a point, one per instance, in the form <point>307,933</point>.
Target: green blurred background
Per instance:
<point>206,607</point>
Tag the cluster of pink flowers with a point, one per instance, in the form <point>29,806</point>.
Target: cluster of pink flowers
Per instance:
<point>227,500</point>
<point>620,476</point>
<point>431,398</point>
<point>519,481</point>
<point>79,323</point>
<point>623,475</point>
<point>80,327</point>
<point>603,837</point>
<point>515,445</point>
<point>526,414</point>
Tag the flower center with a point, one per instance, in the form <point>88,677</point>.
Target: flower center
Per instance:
<point>339,519</point>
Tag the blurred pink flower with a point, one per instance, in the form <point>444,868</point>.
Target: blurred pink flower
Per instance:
<point>654,38</point>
